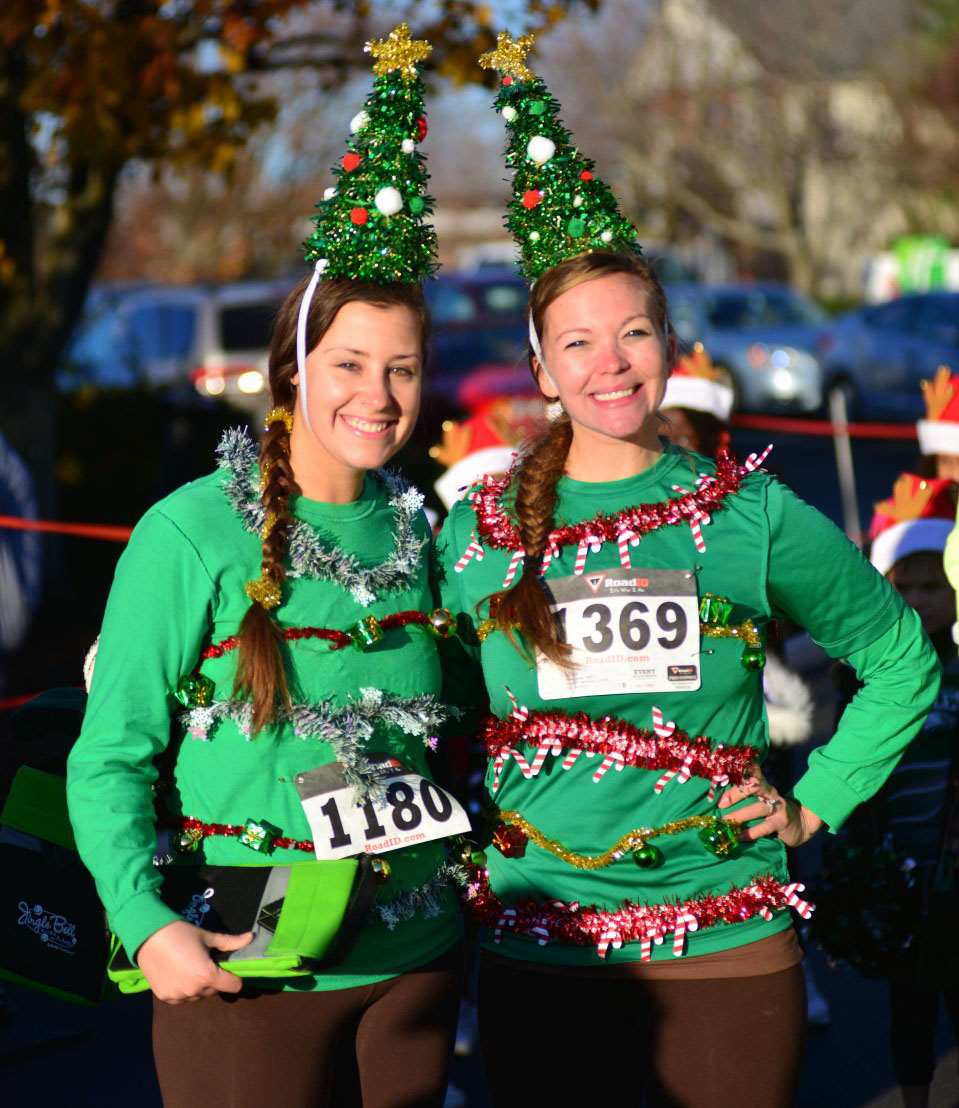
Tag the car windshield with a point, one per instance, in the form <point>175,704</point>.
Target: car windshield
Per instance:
<point>247,326</point>
<point>742,311</point>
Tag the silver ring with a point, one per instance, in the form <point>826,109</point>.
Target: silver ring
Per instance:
<point>772,801</point>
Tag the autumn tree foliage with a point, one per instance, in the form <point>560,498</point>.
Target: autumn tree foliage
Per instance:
<point>90,87</point>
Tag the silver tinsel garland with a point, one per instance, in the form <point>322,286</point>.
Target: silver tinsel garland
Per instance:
<point>427,900</point>
<point>347,728</point>
<point>237,456</point>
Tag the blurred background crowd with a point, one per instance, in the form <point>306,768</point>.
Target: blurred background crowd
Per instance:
<point>790,167</point>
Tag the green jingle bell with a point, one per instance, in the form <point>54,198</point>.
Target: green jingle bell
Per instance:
<point>719,838</point>
<point>381,869</point>
<point>647,856</point>
<point>365,633</point>
<point>416,204</point>
<point>194,691</point>
<point>442,623</point>
<point>186,842</point>
<point>754,658</point>
<point>259,835</point>
<point>537,107</point>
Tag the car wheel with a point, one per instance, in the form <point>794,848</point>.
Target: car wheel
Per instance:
<point>850,395</point>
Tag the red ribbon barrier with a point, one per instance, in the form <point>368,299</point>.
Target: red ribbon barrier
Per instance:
<point>825,427</point>
<point>107,531</point>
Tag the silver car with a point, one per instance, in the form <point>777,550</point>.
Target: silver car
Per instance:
<point>764,335</point>
<point>211,339</point>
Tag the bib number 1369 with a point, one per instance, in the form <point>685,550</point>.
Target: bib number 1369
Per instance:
<point>632,631</point>
<point>631,624</point>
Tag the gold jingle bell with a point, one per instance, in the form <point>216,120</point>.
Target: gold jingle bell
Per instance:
<point>381,869</point>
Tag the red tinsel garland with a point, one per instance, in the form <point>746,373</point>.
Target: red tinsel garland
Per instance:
<point>591,926</point>
<point>635,746</point>
<point>201,830</point>
<point>496,529</point>
<point>338,640</point>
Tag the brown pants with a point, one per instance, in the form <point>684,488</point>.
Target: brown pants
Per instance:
<point>716,1043</point>
<point>380,1046</point>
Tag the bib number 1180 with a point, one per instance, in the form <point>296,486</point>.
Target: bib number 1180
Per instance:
<point>597,625</point>
<point>404,810</point>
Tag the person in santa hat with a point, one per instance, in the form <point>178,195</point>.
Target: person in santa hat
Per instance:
<point>697,404</point>
<point>939,432</point>
<point>914,819</point>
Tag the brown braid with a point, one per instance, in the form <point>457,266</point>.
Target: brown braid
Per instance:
<point>526,604</point>
<point>260,673</point>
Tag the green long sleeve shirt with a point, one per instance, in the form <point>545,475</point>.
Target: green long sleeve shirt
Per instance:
<point>179,586</point>
<point>771,555</point>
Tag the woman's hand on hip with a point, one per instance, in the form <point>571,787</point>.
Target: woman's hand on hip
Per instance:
<point>778,815</point>
<point>177,963</point>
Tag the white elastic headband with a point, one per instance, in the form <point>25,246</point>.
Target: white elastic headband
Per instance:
<point>534,342</point>
<point>301,337</point>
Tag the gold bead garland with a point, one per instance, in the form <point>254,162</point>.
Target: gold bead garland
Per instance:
<point>631,841</point>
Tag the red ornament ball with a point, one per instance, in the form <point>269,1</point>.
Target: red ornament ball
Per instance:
<point>507,80</point>
<point>531,198</point>
<point>351,161</point>
<point>359,216</point>
<point>421,128</point>
<point>586,175</point>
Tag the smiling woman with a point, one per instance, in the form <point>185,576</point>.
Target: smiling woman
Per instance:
<point>296,816</point>
<point>622,591</point>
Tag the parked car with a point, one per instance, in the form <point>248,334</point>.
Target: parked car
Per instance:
<point>878,354</point>
<point>212,339</point>
<point>764,335</point>
<point>477,320</point>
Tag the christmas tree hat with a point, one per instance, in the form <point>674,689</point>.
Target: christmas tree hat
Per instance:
<point>560,208</point>
<point>370,224</point>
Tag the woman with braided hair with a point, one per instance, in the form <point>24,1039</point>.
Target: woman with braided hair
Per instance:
<point>280,858</point>
<point>634,891</point>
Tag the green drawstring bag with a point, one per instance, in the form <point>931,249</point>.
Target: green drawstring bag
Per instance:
<point>53,930</point>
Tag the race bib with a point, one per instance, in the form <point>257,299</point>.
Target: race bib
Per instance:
<point>632,631</point>
<point>414,811</point>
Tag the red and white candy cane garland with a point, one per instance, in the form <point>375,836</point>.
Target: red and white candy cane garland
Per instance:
<point>494,527</point>
<point>643,923</point>
<point>621,743</point>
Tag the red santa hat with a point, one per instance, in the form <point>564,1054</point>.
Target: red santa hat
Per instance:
<point>696,383</point>
<point>939,431</point>
<point>918,517</point>
<point>485,443</point>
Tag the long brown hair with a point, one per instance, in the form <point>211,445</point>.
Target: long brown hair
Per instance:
<point>260,672</point>
<point>526,605</point>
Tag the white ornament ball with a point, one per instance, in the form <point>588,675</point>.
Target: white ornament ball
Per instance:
<point>606,236</point>
<point>534,236</point>
<point>540,148</point>
<point>509,113</point>
<point>388,200</point>
<point>577,201</point>
<point>329,193</point>
<point>359,121</point>
<point>407,146</point>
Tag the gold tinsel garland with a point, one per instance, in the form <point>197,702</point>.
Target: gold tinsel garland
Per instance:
<point>719,832</point>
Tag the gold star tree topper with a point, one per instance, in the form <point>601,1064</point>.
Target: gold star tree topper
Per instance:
<point>509,57</point>
<point>400,52</point>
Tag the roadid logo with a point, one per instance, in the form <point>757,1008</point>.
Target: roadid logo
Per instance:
<point>56,931</point>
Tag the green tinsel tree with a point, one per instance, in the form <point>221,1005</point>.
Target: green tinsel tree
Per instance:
<point>559,208</point>
<point>370,225</point>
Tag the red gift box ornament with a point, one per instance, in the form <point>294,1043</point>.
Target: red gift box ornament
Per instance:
<point>510,841</point>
